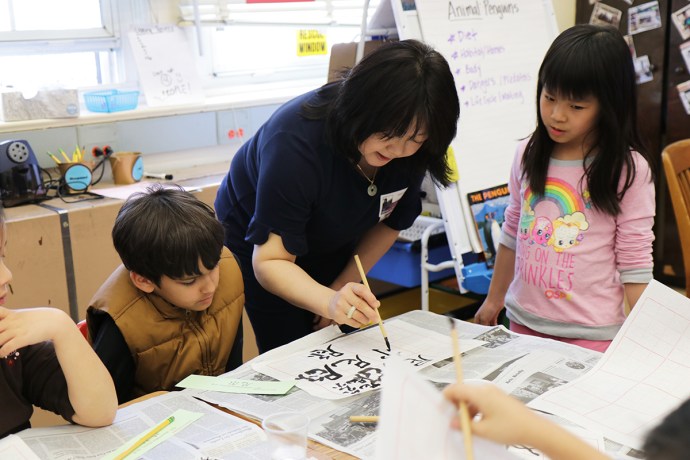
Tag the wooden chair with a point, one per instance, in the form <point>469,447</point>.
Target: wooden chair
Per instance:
<point>676,160</point>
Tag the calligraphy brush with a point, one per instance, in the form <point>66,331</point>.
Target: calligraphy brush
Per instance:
<point>366,283</point>
<point>463,412</point>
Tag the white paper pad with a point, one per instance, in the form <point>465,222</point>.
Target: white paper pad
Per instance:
<point>642,377</point>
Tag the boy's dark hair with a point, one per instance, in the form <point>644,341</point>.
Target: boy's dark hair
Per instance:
<point>395,86</point>
<point>592,60</point>
<point>166,231</point>
<point>670,440</point>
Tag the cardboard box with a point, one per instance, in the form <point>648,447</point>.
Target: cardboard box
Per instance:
<point>35,258</point>
<point>56,103</point>
<point>343,57</point>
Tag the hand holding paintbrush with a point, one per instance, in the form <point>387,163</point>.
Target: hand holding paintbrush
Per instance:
<point>366,283</point>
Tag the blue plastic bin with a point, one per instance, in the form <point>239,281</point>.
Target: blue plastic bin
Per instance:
<point>477,277</point>
<point>111,100</point>
<point>401,265</point>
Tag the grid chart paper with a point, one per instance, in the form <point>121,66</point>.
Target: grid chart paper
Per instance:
<point>642,377</point>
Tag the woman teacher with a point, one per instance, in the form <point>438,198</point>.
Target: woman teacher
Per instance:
<point>333,173</point>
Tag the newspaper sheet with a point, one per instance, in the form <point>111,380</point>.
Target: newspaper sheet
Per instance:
<point>12,447</point>
<point>216,434</point>
<point>330,418</point>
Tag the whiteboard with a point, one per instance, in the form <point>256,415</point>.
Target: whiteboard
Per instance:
<point>494,50</point>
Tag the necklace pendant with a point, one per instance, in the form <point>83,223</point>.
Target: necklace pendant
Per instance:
<point>372,189</point>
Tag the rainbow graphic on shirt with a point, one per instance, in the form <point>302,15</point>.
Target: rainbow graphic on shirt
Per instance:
<point>559,192</point>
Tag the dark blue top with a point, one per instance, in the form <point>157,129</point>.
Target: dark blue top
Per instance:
<point>287,180</point>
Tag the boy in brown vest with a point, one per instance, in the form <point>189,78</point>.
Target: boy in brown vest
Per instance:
<point>174,307</point>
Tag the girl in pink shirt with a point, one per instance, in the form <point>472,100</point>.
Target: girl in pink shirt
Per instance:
<point>578,236</point>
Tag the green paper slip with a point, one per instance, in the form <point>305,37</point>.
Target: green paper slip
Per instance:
<point>183,418</point>
<point>252,387</point>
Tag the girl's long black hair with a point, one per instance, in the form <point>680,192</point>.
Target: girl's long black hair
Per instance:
<point>590,60</point>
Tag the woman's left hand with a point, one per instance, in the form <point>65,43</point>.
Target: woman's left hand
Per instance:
<point>355,305</point>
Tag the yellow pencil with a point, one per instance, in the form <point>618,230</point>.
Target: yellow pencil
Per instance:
<point>146,437</point>
<point>364,418</point>
<point>366,283</point>
<point>64,155</point>
<point>464,412</point>
<point>55,159</point>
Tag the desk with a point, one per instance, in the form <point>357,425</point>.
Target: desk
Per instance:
<point>522,365</point>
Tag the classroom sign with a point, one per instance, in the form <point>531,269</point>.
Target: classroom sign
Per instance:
<point>311,43</point>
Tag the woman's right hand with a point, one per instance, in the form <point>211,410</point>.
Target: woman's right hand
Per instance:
<point>487,314</point>
<point>361,298</point>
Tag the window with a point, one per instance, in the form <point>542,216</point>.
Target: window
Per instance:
<point>252,42</point>
<point>47,43</point>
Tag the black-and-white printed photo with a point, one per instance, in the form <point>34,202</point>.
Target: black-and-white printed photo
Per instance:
<point>536,385</point>
<point>496,337</point>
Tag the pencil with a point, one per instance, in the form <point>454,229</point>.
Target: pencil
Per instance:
<point>464,413</point>
<point>55,159</point>
<point>146,437</point>
<point>366,283</point>
<point>364,418</point>
<point>64,155</point>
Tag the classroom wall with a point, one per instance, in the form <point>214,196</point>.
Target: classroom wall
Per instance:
<point>565,13</point>
<point>166,11</point>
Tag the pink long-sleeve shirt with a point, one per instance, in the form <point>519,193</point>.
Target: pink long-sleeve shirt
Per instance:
<point>571,260</point>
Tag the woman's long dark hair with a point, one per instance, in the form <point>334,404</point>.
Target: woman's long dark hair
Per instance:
<point>590,60</point>
<point>398,85</point>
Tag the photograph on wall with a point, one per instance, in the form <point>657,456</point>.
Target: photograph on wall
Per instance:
<point>681,19</point>
<point>643,18</point>
<point>684,94</point>
<point>631,44</point>
<point>643,69</point>
<point>488,209</point>
<point>685,52</point>
<point>605,15</point>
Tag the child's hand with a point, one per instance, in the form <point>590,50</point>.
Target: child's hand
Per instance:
<point>503,419</point>
<point>19,328</point>
<point>488,313</point>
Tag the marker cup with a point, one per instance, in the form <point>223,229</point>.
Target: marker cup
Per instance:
<point>77,176</point>
<point>287,435</point>
<point>128,167</point>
